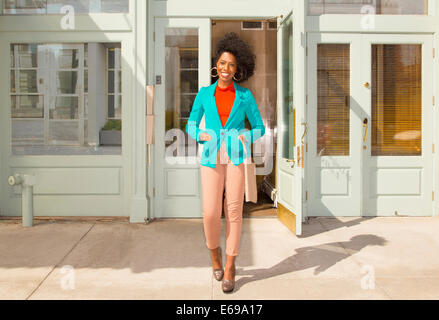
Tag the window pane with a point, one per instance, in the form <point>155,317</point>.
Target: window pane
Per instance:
<point>65,108</point>
<point>396,100</point>
<point>25,106</point>
<point>63,131</point>
<point>12,56</point>
<point>27,132</point>
<point>333,99</point>
<point>66,58</point>
<point>181,84</point>
<point>110,106</point>
<point>54,6</point>
<point>12,81</point>
<point>85,55</point>
<point>110,81</point>
<point>27,55</point>
<point>318,7</point>
<point>67,82</point>
<point>288,127</point>
<point>119,108</point>
<point>111,58</point>
<point>28,81</point>
<point>119,81</point>
<point>85,81</point>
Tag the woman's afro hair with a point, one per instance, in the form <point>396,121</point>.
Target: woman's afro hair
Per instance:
<point>241,50</point>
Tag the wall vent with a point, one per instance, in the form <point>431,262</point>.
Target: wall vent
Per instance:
<point>252,25</point>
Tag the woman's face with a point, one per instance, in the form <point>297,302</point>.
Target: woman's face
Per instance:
<point>226,67</point>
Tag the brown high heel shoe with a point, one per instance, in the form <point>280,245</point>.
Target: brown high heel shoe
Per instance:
<point>218,274</point>
<point>229,285</point>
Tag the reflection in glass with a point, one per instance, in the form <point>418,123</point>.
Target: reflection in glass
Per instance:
<point>65,108</point>
<point>288,127</point>
<point>29,131</point>
<point>333,99</point>
<point>397,100</point>
<point>28,81</point>
<point>61,132</point>
<point>318,7</point>
<point>110,81</point>
<point>12,81</point>
<point>66,58</point>
<point>27,56</point>
<point>45,84</point>
<point>181,81</point>
<point>67,82</point>
<point>54,6</point>
<point>27,106</point>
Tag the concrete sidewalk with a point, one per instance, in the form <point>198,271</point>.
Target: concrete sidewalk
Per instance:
<point>343,258</point>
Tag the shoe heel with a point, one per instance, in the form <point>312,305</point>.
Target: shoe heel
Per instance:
<point>218,274</point>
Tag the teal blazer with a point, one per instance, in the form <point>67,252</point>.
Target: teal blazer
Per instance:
<point>243,105</point>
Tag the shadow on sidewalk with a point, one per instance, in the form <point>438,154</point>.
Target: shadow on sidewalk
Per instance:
<point>320,257</point>
<point>333,223</point>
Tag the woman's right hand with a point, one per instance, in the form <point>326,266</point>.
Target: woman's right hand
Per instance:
<point>205,136</point>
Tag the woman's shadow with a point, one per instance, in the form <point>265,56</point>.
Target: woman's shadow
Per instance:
<point>320,257</point>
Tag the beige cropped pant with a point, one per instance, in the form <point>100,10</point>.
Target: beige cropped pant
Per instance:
<point>213,181</point>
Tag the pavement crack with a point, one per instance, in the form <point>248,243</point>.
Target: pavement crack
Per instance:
<point>60,262</point>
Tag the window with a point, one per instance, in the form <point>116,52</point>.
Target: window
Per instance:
<point>397,100</point>
<point>318,7</point>
<point>181,63</point>
<point>54,6</point>
<point>57,105</point>
<point>114,83</point>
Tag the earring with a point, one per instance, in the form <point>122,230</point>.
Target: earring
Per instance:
<point>214,76</point>
<point>239,77</point>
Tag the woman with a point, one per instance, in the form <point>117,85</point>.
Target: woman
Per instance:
<point>225,105</point>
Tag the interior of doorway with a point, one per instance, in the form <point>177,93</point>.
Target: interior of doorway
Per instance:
<point>262,37</point>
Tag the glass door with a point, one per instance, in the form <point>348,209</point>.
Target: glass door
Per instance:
<point>289,172</point>
<point>397,86</point>
<point>335,114</point>
<point>182,64</point>
<point>370,98</point>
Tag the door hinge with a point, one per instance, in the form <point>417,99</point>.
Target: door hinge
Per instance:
<point>434,101</point>
<point>306,99</point>
<point>153,192</point>
<point>434,52</point>
<point>306,51</point>
<point>432,148</point>
<point>432,195</point>
<point>153,36</point>
<point>306,195</point>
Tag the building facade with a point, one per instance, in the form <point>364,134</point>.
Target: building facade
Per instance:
<point>347,90</point>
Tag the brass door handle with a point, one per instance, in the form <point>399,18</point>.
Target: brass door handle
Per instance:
<point>366,84</point>
<point>306,131</point>
<point>365,125</point>
<point>292,161</point>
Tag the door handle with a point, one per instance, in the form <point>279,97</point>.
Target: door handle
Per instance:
<point>305,133</point>
<point>365,125</point>
<point>292,161</point>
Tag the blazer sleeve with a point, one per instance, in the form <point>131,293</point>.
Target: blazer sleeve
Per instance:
<point>193,123</point>
<point>254,116</point>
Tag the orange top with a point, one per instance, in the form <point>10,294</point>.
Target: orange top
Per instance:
<point>224,98</point>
